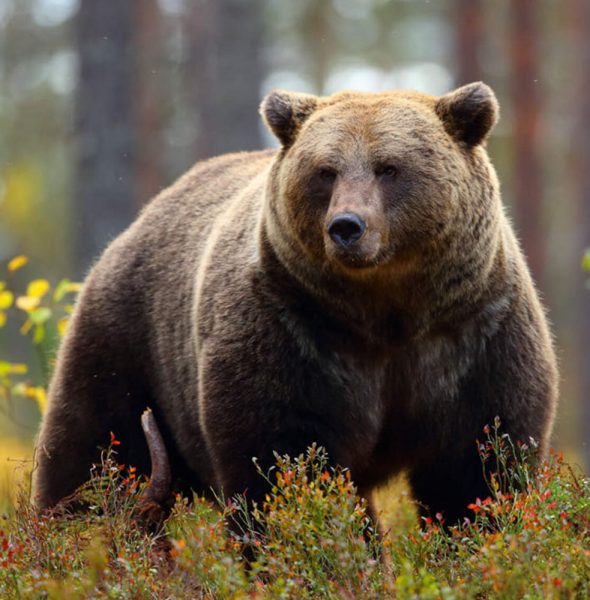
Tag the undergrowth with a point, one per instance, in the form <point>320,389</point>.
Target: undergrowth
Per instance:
<point>311,538</point>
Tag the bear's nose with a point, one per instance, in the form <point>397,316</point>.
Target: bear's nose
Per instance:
<point>346,228</point>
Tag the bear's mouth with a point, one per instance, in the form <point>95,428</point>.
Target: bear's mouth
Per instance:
<point>364,253</point>
<point>354,259</point>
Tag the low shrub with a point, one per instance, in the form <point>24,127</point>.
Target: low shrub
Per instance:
<point>311,538</point>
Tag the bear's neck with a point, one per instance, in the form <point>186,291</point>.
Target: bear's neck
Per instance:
<point>394,305</point>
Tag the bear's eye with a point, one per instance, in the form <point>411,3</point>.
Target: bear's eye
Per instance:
<point>386,171</point>
<point>327,175</point>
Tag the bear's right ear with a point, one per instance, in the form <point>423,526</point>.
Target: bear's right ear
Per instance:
<point>469,113</point>
<point>284,113</point>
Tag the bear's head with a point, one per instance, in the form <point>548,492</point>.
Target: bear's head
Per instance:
<point>367,182</point>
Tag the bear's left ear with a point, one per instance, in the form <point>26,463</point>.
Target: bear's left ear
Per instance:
<point>284,113</point>
<point>469,113</point>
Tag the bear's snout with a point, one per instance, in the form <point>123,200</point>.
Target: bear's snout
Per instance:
<point>346,228</point>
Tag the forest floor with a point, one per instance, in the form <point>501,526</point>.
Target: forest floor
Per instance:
<point>311,539</point>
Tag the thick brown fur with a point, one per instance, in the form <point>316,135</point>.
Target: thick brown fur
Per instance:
<point>228,309</point>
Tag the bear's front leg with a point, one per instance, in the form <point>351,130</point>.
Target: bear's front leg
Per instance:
<point>259,395</point>
<point>252,414</point>
<point>515,379</point>
<point>449,485</point>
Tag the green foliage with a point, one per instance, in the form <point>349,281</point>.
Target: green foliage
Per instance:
<point>311,539</point>
<point>39,304</point>
<point>39,310</point>
<point>317,539</point>
<point>528,539</point>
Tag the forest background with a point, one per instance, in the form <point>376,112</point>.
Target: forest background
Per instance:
<point>103,104</point>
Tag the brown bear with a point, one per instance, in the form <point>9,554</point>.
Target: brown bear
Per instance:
<point>361,288</point>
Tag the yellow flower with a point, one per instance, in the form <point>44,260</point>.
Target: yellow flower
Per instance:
<point>6,299</point>
<point>62,326</point>
<point>38,288</point>
<point>17,262</point>
<point>27,303</point>
<point>41,398</point>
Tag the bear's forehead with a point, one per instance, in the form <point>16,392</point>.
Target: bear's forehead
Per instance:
<point>387,123</point>
<point>377,109</point>
<point>393,96</point>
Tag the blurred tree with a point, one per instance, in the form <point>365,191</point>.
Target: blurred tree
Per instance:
<point>149,98</point>
<point>580,160</point>
<point>36,77</point>
<point>224,71</point>
<point>469,37</point>
<point>316,25</point>
<point>526,100</point>
<point>104,126</point>
<point>117,119</point>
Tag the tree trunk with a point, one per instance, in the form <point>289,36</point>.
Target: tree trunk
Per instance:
<point>149,101</point>
<point>580,12</point>
<point>104,126</point>
<point>118,119</point>
<point>225,72</point>
<point>317,24</point>
<point>526,112</point>
<point>469,36</point>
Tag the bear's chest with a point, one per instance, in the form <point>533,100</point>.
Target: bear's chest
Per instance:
<point>424,395</point>
<point>416,384</point>
<point>425,372</point>
<point>342,395</point>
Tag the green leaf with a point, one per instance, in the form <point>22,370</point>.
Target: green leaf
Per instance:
<point>61,289</point>
<point>5,368</point>
<point>39,334</point>
<point>40,315</point>
<point>586,260</point>
<point>65,286</point>
<point>19,389</point>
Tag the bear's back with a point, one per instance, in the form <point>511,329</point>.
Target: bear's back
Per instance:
<point>141,289</point>
<point>166,240</point>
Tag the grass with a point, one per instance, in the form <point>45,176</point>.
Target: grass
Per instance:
<point>311,539</point>
<point>15,466</point>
